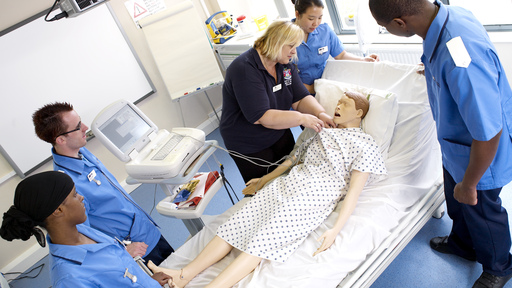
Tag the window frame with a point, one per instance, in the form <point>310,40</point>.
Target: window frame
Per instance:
<point>338,26</point>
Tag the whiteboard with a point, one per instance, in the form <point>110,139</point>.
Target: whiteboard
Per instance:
<point>182,50</point>
<point>85,61</point>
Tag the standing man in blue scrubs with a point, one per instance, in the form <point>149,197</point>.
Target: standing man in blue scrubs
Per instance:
<point>471,102</point>
<point>109,208</point>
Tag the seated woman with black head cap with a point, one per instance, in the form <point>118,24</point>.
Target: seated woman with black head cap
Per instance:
<point>80,256</point>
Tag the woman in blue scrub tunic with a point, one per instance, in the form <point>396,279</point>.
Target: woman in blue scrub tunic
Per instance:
<point>319,43</point>
<point>80,256</point>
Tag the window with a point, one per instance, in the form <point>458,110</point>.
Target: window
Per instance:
<point>494,15</point>
<point>347,10</point>
<point>340,14</point>
<point>491,14</point>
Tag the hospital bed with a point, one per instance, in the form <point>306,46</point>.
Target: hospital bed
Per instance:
<point>388,214</point>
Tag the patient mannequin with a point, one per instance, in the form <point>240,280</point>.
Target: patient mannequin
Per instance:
<point>336,165</point>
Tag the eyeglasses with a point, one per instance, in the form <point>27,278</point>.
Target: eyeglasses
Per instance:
<point>78,127</point>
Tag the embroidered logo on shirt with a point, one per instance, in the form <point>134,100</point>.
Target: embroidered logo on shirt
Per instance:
<point>287,74</point>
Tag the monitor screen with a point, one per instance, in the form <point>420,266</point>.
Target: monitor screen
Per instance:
<point>124,128</point>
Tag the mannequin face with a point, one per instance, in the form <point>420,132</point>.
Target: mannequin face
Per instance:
<point>310,19</point>
<point>346,112</point>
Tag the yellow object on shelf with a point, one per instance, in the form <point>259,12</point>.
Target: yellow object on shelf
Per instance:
<point>220,26</point>
<point>261,22</point>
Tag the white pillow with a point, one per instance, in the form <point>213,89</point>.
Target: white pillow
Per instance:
<point>380,120</point>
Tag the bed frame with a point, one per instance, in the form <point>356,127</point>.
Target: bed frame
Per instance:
<point>430,206</point>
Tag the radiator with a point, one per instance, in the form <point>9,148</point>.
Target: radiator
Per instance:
<point>404,53</point>
<point>398,53</point>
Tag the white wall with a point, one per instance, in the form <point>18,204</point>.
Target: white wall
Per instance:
<point>159,107</point>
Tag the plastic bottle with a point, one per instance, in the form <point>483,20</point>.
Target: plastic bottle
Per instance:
<point>242,24</point>
<point>235,23</point>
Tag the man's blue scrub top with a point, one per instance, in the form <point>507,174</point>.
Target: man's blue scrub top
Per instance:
<point>95,265</point>
<point>109,208</point>
<point>468,103</point>
<point>313,55</point>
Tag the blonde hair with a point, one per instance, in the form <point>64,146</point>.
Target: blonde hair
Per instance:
<point>277,35</point>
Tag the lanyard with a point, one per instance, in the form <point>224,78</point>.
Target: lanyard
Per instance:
<point>439,38</point>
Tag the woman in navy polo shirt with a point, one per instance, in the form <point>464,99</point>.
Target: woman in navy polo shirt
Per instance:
<point>260,88</point>
<point>319,43</point>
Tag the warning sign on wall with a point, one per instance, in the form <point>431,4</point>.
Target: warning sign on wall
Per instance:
<point>139,9</point>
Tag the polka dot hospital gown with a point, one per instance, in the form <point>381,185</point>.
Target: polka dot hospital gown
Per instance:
<point>282,214</point>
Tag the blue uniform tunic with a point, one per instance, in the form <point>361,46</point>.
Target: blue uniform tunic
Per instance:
<point>95,265</point>
<point>248,92</point>
<point>468,103</point>
<point>109,208</point>
<point>314,53</point>
<point>472,102</point>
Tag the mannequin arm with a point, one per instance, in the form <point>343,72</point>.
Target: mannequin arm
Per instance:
<point>255,184</point>
<point>357,183</point>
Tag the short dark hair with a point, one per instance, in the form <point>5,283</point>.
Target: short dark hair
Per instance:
<point>48,121</point>
<point>386,10</point>
<point>302,5</point>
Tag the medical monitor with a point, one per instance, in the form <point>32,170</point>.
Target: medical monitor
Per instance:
<point>123,128</point>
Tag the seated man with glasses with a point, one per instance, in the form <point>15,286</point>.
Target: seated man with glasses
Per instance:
<point>109,208</point>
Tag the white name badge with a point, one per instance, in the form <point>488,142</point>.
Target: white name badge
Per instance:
<point>276,88</point>
<point>91,175</point>
<point>458,52</point>
<point>322,50</point>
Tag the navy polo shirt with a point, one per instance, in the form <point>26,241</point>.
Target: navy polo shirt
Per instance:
<point>248,92</point>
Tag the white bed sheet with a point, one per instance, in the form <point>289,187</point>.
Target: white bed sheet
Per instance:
<point>414,168</point>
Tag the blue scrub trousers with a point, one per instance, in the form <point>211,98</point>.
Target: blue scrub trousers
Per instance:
<point>480,230</point>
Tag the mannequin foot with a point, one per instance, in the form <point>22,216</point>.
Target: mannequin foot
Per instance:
<point>177,279</point>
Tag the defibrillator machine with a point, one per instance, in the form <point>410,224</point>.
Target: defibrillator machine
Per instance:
<point>151,153</point>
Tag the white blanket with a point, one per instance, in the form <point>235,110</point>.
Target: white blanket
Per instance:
<point>414,167</point>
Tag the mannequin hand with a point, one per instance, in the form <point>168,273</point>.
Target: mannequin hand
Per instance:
<point>161,278</point>
<point>465,195</point>
<point>251,187</point>
<point>329,236</point>
<point>312,122</point>
<point>137,249</point>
